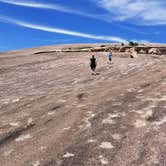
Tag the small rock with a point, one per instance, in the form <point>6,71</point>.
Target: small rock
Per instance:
<point>67,128</point>
<point>140,123</point>
<point>116,136</point>
<point>30,121</point>
<point>51,113</point>
<point>37,163</point>
<point>14,124</point>
<point>91,141</point>
<point>7,153</point>
<point>23,137</point>
<point>67,155</point>
<point>106,145</point>
<point>103,160</point>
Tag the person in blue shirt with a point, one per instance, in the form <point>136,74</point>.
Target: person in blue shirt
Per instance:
<point>110,56</point>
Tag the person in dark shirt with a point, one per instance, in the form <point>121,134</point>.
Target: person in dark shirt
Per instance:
<point>93,63</point>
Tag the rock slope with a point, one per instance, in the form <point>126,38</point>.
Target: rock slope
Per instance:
<point>53,112</point>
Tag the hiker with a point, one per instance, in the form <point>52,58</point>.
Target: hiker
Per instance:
<point>110,56</point>
<point>93,63</point>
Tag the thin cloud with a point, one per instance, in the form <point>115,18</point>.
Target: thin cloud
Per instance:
<point>36,5</point>
<point>57,7</point>
<point>61,31</point>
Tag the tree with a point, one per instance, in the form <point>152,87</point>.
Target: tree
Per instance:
<point>136,44</point>
<point>133,44</point>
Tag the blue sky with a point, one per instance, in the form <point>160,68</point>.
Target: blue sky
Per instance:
<point>32,23</point>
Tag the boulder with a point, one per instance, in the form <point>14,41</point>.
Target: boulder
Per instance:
<point>163,50</point>
<point>154,51</point>
<point>142,51</point>
<point>122,49</point>
<point>133,53</point>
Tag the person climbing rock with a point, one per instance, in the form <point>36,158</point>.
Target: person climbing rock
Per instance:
<point>93,64</point>
<point>110,56</point>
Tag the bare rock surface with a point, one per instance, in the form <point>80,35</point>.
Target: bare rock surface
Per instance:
<point>53,112</point>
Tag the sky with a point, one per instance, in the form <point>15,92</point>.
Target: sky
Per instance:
<point>33,23</point>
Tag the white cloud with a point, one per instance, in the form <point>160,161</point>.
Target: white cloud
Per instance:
<point>33,4</point>
<point>57,7</point>
<point>106,4</point>
<point>61,31</point>
<point>143,11</point>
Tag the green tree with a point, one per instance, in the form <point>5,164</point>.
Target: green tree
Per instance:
<point>133,44</point>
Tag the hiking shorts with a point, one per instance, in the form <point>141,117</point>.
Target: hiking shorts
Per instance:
<point>93,67</point>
